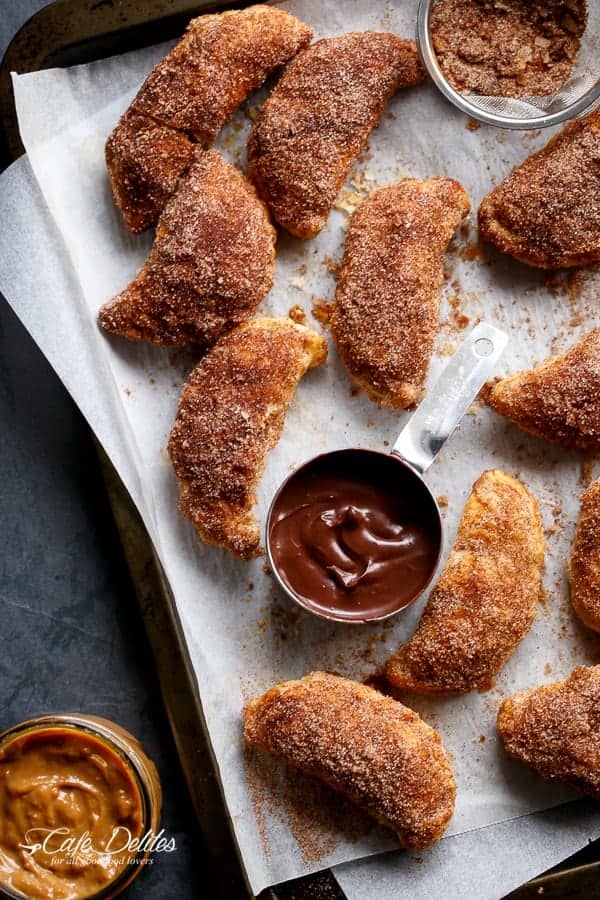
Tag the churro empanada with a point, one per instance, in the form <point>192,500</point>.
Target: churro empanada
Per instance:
<point>317,119</point>
<point>547,212</point>
<point>385,318</point>
<point>189,95</point>
<point>230,414</point>
<point>584,571</point>
<point>560,400</point>
<point>555,729</point>
<point>212,262</point>
<point>486,599</point>
<point>369,747</point>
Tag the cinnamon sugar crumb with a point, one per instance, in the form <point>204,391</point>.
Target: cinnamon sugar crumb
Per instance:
<point>321,310</point>
<point>471,251</point>
<point>297,314</point>
<point>347,201</point>
<point>588,464</point>
<point>332,265</point>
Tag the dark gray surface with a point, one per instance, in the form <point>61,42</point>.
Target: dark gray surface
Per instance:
<point>72,638</point>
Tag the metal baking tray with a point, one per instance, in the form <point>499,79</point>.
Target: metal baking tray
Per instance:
<point>68,32</point>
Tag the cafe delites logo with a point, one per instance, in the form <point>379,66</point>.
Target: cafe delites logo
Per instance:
<point>62,842</point>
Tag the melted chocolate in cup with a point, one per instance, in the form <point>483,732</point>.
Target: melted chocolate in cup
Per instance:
<point>354,535</point>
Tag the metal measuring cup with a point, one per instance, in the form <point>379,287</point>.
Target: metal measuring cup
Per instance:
<point>417,446</point>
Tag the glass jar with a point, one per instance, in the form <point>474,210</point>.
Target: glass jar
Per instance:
<point>131,785</point>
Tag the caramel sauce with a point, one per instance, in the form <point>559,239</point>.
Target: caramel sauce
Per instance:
<point>60,784</point>
<point>355,535</point>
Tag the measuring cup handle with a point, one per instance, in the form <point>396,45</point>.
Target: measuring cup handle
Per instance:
<point>446,403</point>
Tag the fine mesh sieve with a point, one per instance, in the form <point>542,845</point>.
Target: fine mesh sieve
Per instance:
<point>579,95</point>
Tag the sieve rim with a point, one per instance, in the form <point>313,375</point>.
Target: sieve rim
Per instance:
<point>429,59</point>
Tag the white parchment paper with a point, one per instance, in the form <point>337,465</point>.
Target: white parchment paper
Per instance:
<point>65,251</point>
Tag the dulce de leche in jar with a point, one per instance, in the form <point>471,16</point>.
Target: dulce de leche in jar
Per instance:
<point>80,806</point>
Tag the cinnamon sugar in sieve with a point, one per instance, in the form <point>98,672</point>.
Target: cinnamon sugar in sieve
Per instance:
<point>508,48</point>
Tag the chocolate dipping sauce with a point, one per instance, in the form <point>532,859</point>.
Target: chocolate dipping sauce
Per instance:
<point>355,535</point>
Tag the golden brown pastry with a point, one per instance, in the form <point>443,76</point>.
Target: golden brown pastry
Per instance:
<point>560,400</point>
<point>486,599</point>
<point>547,212</point>
<point>584,571</point>
<point>317,119</point>
<point>230,414</point>
<point>363,744</point>
<point>385,318</point>
<point>212,262</point>
<point>189,95</point>
<point>556,729</point>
